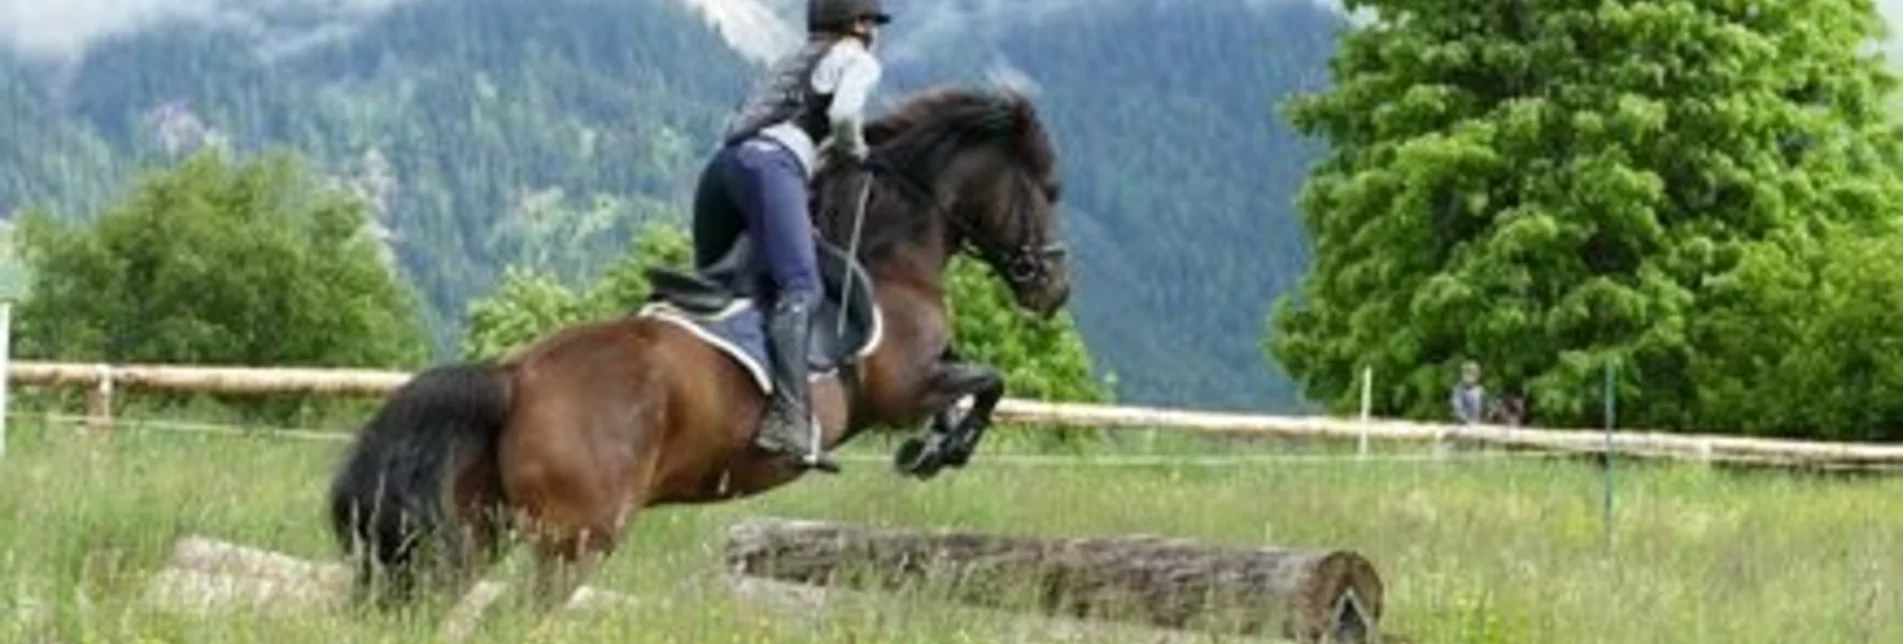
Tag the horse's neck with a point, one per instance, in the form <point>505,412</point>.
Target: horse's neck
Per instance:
<point>918,264</point>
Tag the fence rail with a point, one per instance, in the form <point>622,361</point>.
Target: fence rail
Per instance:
<point>101,380</point>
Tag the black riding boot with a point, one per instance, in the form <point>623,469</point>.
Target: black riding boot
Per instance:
<point>789,427</point>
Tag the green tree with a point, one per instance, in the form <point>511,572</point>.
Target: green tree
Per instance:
<point>255,264</point>
<point>1808,340</point>
<point>1041,359</point>
<point>211,263</point>
<point>1550,189</point>
<point>531,303</point>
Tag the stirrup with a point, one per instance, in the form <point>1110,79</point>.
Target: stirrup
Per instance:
<point>808,456</point>
<point>822,462</point>
<point>816,456</point>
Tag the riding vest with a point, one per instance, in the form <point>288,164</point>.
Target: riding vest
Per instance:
<point>786,96</point>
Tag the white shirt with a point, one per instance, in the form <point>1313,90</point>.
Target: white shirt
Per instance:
<point>849,72</point>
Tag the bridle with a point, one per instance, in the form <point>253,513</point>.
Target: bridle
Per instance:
<point>1025,261</point>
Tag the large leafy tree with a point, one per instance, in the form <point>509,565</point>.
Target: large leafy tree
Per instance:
<point>214,262</point>
<point>1808,340</point>
<point>1552,189</point>
<point>1041,359</point>
<point>254,263</point>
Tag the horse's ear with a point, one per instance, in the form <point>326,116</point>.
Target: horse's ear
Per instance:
<point>1023,115</point>
<point>1026,130</point>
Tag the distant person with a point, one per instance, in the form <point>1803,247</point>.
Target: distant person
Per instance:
<point>757,182</point>
<point>1469,399</point>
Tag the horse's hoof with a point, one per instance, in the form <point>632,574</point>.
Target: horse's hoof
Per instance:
<point>914,458</point>
<point>958,458</point>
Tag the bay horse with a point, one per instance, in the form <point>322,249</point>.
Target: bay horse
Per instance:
<point>562,442</point>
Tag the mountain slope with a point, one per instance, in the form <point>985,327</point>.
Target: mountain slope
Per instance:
<point>1184,179</point>
<point>488,132</point>
<point>1180,177</point>
<point>542,133</point>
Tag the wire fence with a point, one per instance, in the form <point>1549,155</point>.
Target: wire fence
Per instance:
<point>100,383</point>
<point>257,431</point>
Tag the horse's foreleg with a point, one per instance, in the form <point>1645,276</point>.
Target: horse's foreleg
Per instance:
<point>947,420</point>
<point>986,386</point>
<point>952,440</point>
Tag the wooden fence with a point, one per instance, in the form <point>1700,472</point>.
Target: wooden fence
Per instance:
<point>102,380</point>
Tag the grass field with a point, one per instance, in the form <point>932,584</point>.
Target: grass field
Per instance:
<point>1494,551</point>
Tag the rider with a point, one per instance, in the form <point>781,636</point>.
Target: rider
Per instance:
<point>758,181</point>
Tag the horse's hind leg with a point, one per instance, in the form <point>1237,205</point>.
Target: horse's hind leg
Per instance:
<point>565,559</point>
<point>573,514</point>
<point>571,470</point>
<point>483,524</point>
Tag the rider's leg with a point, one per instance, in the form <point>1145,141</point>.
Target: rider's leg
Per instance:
<point>717,219</point>
<point>772,191</point>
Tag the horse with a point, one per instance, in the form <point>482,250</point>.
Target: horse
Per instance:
<point>563,441</point>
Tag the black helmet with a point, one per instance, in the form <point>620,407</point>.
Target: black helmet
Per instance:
<point>828,14</point>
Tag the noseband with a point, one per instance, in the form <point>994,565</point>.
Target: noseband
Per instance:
<point>1024,261</point>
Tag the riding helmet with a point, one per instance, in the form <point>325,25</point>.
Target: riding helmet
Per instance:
<point>827,14</point>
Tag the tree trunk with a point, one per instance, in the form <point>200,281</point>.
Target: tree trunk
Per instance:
<point>1305,595</point>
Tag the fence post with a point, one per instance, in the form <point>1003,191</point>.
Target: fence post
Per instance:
<point>99,401</point>
<point>6,366</point>
<point>1611,393</point>
<point>1367,404</point>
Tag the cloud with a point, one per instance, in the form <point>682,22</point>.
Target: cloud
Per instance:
<point>760,31</point>
<point>64,30</point>
<point>924,28</point>
<point>1003,73</point>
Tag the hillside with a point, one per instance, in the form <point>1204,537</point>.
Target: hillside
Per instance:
<point>1181,179</point>
<point>510,131</point>
<point>543,132</point>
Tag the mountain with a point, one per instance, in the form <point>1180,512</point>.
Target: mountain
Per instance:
<point>542,133</point>
<point>1180,177</point>
<point>487,133</point>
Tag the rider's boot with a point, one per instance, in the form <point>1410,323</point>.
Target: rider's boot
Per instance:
<point>789,426</point>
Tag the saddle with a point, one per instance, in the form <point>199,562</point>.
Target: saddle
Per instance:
<point>721,305</point>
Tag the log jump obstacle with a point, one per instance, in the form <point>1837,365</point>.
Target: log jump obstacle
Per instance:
<point>1305,595</point>
<point>1165,589</point>
<point>206,575</point>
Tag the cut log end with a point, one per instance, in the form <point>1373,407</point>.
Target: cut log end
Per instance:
<point>1343,598</point>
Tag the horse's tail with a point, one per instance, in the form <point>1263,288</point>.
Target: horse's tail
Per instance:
<point>391,505</point>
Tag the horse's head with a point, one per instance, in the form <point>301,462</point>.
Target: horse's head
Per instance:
<point>982,164</point>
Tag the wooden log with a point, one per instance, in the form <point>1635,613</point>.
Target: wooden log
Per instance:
<point>207,575</point>
<point>1301,594</point>
<point>209,556</point>
<point>808,604</point>
<point>222,380</point>
<point>1675,446</point>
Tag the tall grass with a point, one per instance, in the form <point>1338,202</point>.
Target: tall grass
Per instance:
<point>1495,551</point>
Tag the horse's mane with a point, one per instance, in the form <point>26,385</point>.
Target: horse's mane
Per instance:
<point>918,139</point>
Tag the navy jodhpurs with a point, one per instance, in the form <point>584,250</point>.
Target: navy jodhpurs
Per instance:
<point>757,186</point>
